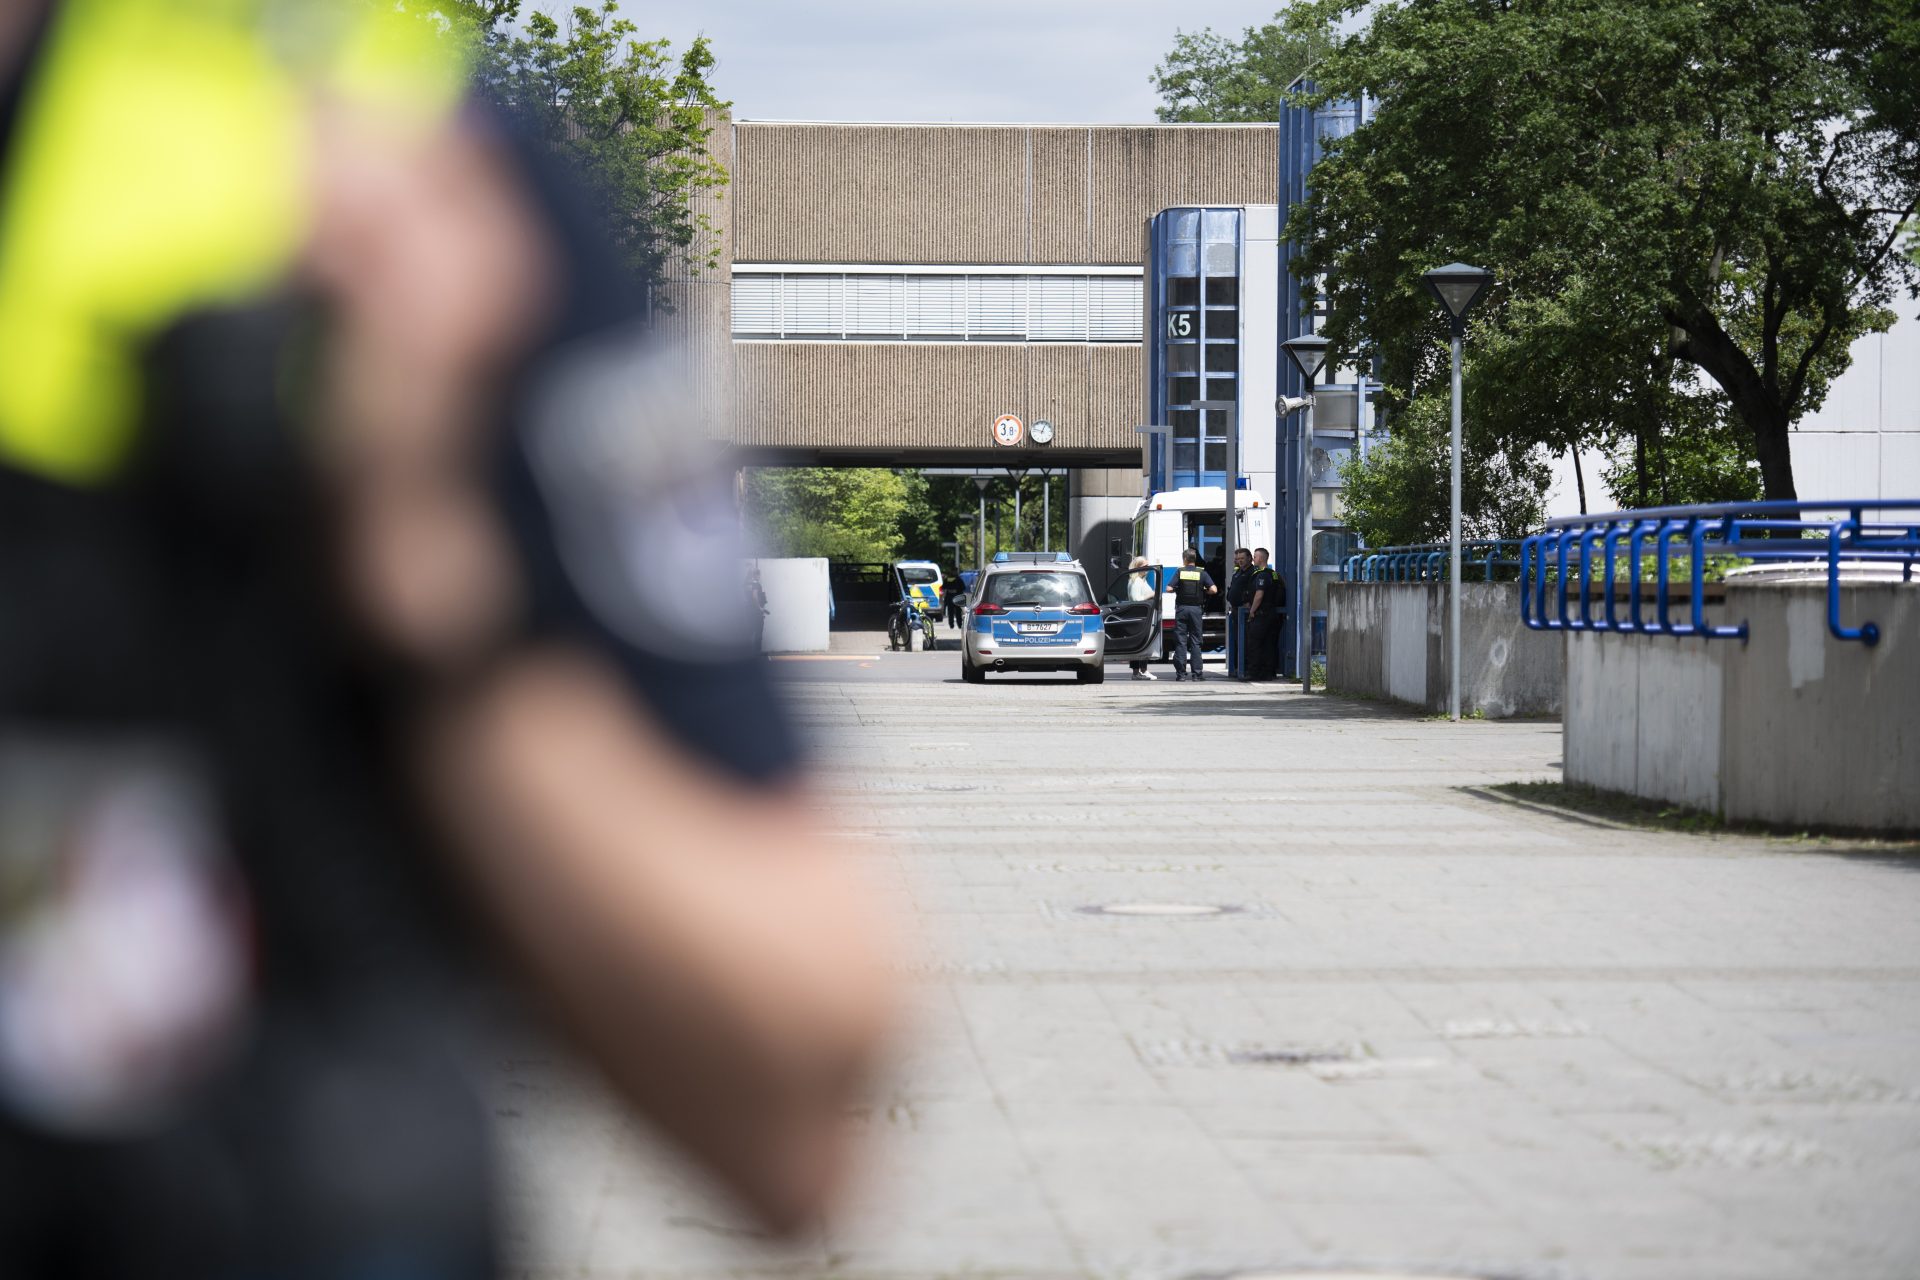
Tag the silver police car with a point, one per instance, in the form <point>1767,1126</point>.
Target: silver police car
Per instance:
<point>1035,611</point>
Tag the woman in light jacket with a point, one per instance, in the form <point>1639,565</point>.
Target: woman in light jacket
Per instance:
<point>1140,586</point>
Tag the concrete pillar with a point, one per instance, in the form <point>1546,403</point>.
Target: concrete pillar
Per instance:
<point>1100,507</point>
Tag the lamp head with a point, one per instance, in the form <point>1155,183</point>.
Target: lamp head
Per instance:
<point>1456,287</point>
<point>1308,353</point>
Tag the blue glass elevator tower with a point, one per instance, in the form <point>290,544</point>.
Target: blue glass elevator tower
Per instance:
<point>1193,341</point>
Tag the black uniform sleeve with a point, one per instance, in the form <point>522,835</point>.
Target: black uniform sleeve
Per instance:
<point>632,586</point>
<point>623,513</point>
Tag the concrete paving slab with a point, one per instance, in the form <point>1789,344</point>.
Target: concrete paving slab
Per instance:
<point>1440,1032</point>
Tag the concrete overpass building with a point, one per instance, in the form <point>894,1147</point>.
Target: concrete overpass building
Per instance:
<point>883,292</point>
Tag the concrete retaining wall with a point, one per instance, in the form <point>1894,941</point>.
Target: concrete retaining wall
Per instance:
<point>1791,727</point>
<point>1389,640</point>
<point>796,605</point>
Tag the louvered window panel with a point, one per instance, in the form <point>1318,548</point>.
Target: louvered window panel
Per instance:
<point>876,306</point>
<point>1057,309</point>
<point>948,307</point>
<point>996,307</point>
<point>1115,309</point>
<point>936,307</point>
<point>756,305</point>
<point>810,307</point>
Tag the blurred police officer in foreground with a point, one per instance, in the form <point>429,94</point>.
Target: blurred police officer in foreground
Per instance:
<point>336,486</point>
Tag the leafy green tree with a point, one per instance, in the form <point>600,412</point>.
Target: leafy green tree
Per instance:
<point>939,509</point>
<point>631,117</point>
<point>1700,459</point>
<point>1207,77</point>
<point>1662,189</point>
<point>1401,493</point>
<point>842,513</point>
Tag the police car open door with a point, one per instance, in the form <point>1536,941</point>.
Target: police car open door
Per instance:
<point>1132,626</point>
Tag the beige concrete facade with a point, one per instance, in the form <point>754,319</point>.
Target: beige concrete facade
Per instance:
<point>908,195</point>
<point>977,194</point>
<point>922,401</point>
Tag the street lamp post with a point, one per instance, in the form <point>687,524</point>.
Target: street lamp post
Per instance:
<point>1308,353</point>
<point>980,531</point>
<point>1456,287</point>
<point>1046,509</point>
<point>1018,475</point>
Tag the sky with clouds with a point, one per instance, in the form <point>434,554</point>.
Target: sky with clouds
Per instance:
<point>1067,61</point>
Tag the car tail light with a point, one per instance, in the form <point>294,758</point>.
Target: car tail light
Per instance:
<point>982,609</point>
<point>1088,607</point>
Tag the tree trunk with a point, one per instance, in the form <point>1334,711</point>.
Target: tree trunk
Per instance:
<point>1663,469</point>
<point>1579,477</point>
<point>1771,446</point>
<point>1720,357</point>
<point>1640,464</point>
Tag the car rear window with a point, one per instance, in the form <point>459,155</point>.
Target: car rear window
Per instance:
<point>1038,589</point>
<point>914,575</point>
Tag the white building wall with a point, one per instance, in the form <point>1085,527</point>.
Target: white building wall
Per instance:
<point>1259,345</point>
<point>1864,441</point>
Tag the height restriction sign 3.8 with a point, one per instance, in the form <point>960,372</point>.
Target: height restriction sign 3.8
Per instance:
<point>1007,429</point>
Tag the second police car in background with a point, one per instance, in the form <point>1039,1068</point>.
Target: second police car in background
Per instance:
<point>1035,611</point>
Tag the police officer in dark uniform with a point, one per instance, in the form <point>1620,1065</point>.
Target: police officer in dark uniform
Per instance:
<point>1263,619</point>
<point>1239,596</point>
<point>277,683</point>
<point>1191,587</point>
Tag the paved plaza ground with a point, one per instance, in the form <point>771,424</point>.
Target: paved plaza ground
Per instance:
<point>1426,1030</point>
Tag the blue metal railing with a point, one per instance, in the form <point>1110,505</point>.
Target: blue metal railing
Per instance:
<point>1596,561</point>
<point>1427,562</point>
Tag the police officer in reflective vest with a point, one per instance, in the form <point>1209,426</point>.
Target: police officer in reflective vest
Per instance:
<point>1191,587</point>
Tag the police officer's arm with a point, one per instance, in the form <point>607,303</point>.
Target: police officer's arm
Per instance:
<point>703,938</point>
<point>700,935</point>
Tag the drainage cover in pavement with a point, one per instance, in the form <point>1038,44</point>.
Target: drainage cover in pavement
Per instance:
<point>1159,909</point>
<point>1252,1056</point>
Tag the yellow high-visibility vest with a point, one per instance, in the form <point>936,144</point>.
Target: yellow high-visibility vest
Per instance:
<point>159,166</point>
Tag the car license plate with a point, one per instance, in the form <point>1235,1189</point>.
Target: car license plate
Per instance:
<point>1036,628</point>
